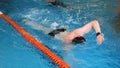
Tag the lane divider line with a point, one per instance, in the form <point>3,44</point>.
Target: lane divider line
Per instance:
<point>58,61</point>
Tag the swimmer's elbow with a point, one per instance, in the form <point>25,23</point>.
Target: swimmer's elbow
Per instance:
<point>95,22</point>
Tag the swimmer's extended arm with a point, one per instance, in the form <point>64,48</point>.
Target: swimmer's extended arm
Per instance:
<point>93,25</point>
<point>36,26</point>
<point>99,36</point>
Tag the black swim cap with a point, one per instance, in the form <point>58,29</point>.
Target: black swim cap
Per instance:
<point>56,31</point>
<point>78,40</point>
<point>61,30</point>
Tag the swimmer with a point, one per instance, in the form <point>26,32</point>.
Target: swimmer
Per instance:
<point>74,37</point>
<point>56,3</point>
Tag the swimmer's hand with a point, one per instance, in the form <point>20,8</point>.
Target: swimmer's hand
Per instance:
<point>99,39</point>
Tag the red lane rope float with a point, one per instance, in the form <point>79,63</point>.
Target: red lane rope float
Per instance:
<point>36,43</point>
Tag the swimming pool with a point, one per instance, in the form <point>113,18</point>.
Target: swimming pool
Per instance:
<point>16,52</point>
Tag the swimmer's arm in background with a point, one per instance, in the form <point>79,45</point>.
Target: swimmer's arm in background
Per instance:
<point>36,26</point>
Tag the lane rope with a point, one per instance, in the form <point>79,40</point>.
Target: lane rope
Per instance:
<point>58,61</point>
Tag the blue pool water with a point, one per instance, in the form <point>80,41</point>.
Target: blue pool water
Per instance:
<point>16,52</point>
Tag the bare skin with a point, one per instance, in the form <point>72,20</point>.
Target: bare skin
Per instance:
<point>66,36</point>
<point>83,30</point>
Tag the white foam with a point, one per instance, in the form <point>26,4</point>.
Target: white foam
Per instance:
<point>1,12</point>
<point>54,25</point>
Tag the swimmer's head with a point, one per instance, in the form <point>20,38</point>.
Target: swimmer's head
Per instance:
<point>78,40</point>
